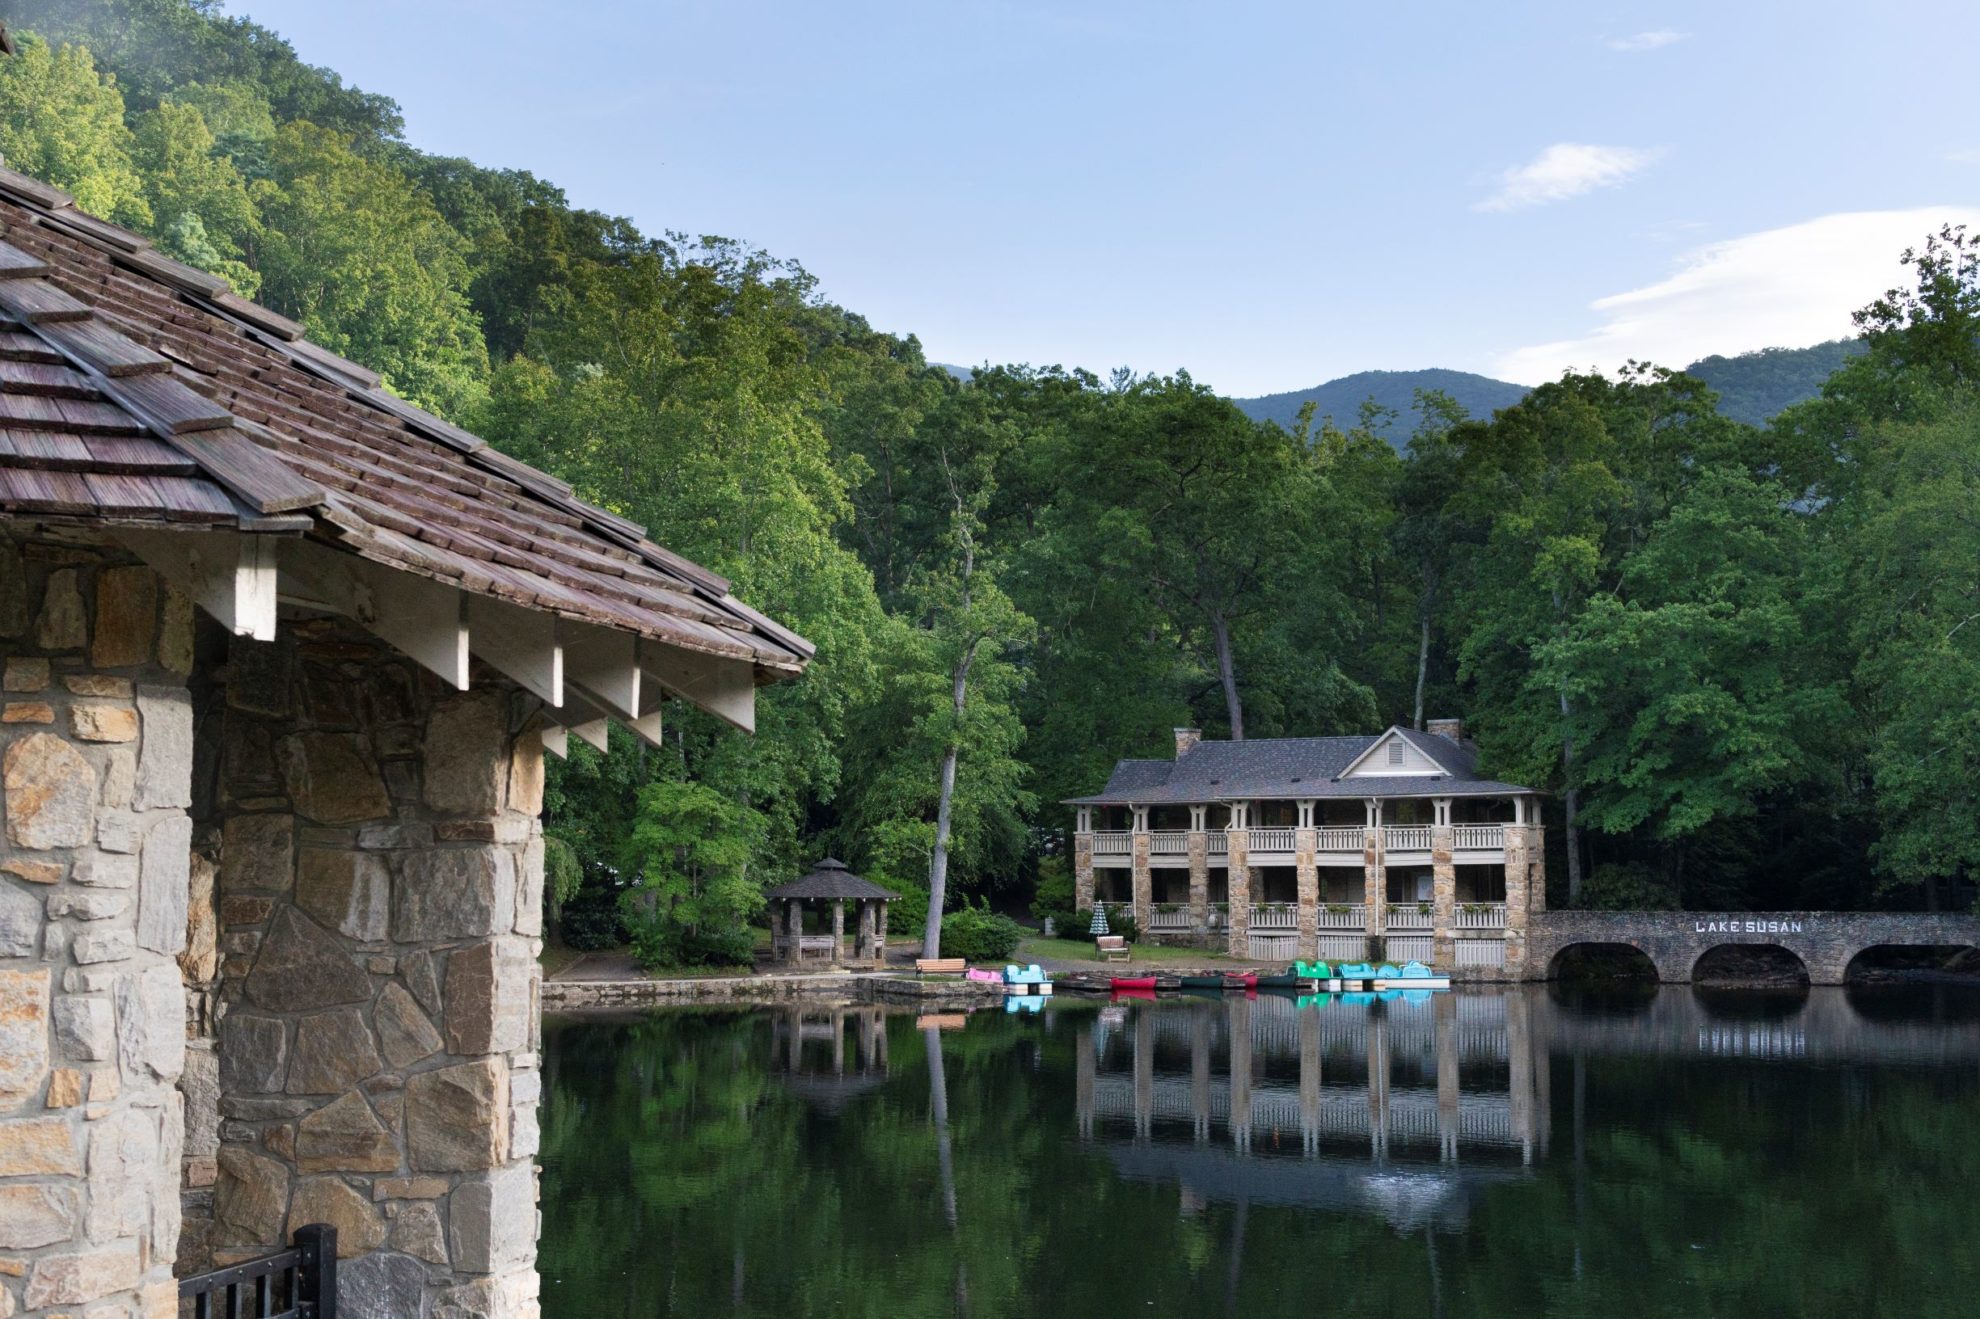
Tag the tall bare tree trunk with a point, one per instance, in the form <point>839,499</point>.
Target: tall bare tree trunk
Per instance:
<point>1422,664</point>
<point>1227,673</point>
<point>1571,799</point>
<point>938,865</point>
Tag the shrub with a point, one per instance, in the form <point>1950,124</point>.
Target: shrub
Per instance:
<point>1053,898</point>
<point>1121,921</point>
<point>1628,886</point>
<point>979,935</point>
<point>907,915</point>
<point>590,928</point>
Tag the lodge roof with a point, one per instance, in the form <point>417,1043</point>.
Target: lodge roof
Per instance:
<point>830,879</point>
<point>137,392</point>
<point>1282,768</point>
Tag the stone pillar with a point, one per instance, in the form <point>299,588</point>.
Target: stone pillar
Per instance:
<point>794,927</point>
<point>1083,1068</point>
<point>838,930</point>
<point>880,934</point>
<point>1517,896</point>
<point>1536,864</point>
<point>1378,1082</point>
<point>381,911</point>
<point>1309,1080</point>
<point>96,746</point>
<point>1143,879</point>
<point>1374,891</point>
<point>1199,1076</point>
<point>1237,891</point>
<point>1199,881</point>
<point>1306,845</point>
<point>1520,1069</point>
<point>1083,872</point>
<point>1443,897</point>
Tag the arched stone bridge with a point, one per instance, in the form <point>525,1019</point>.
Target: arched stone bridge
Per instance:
<point>1674,941</point>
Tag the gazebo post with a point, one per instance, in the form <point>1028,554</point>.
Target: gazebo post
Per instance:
<point>794,950</point>
<point>838,928</point>
<point>880,935</point>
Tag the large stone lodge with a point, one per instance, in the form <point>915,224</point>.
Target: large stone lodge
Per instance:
<point>1386,846</point>
<point>282,655</point>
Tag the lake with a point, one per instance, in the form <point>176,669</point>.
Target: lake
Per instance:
<point>1640,1152</point>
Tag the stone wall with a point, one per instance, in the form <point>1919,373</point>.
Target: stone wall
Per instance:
<point>380,916</point>
<point>95,757</point>
<point>1825,941</point>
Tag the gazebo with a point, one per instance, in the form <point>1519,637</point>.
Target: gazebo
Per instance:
<point>829,882</point>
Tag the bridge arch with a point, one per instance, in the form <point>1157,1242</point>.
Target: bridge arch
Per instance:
<point>1603,959</point>
<point>1873,958</point>
<point>1742,961</point>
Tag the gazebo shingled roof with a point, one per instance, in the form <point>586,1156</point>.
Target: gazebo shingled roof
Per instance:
<point>831,879</point>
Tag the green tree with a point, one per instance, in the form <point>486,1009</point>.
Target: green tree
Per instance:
<point>688,861</point>
<point>62,121</point>
<point>359,255</point>
<point>199,202</point>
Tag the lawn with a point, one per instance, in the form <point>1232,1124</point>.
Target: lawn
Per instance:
<point>1081,950</point>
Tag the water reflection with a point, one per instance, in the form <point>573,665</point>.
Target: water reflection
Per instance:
<point>1323,1105</point>
<point>1538,1151</point>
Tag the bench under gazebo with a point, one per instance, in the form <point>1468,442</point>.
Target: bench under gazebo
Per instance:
<point>831,882</point>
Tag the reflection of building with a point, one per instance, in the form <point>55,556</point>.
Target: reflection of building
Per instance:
<point>1388,845</point>
<point>1395,1107</point>
<point>808,1049</point>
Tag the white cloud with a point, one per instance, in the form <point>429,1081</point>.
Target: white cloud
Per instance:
<point>1780,288</point>
<point>1643,41</point>
<point>1564,170</point>
<point>1964,156</point>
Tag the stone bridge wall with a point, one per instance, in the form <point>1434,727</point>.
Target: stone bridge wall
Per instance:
<point>1825,941</point>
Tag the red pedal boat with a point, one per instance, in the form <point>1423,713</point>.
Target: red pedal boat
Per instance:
<point>1146,983</point>
<point>1249,980</point>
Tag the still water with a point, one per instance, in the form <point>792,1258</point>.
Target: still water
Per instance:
<point>1664,1152</point>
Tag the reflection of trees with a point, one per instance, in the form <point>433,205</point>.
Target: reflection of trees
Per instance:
<point>683,1178</point>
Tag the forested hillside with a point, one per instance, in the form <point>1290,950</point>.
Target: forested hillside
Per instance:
<point>1752,387</point>
<point>1756,387</point>
<point>1741,659</point>
<point>1395,415</point>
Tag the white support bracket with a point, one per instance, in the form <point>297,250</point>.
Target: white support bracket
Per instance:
<point>421,618</point>
<point>522,643</point>
<point>229,575</point>
<point>601,666</point>
<point>557,740</point>
<point>725,688</point>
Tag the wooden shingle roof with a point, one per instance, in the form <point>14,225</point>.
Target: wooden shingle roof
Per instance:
<point>138,392</point>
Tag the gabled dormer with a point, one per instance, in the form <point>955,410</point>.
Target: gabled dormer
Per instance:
<point>1395,754</point>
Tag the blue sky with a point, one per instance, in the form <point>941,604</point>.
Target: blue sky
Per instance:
<point>1269,195</point>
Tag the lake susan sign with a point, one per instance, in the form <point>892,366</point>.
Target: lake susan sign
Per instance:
<point>1748,925</point>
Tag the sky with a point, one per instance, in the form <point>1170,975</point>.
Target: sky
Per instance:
<point>1268,195</point>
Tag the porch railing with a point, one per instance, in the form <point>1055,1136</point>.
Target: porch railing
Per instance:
<point>1274,916</point>
<point>1406,838</point>
<point>1478,838</point>
<point>1343,916</point>
<point>1171,922</point>
<point>1169,842</point>
<point>1340,840</point>
<point>1113,842</point>
<point>1220,843</point>
<point>1409,918</point>
<point>1272,840</point>
<point>1408,948</point>
<point>297,1283</point>
<point>1482,916</point>
<point>1480,952</point>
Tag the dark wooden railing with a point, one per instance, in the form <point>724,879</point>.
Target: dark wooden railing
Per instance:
<point>297,1283</point>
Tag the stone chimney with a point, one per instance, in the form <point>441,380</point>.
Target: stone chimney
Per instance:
<point>1447,728</point>
<point>1187,738</point>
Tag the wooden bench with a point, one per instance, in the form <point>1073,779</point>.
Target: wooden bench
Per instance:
<point>940,966</point>
<point>1113,947</point>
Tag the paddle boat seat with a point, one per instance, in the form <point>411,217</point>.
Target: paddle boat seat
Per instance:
<point>1312,971</point>
<point>1357,971</point>
<point>983,977</point>
<point>1414,971</point>
<point>1024,975</point>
